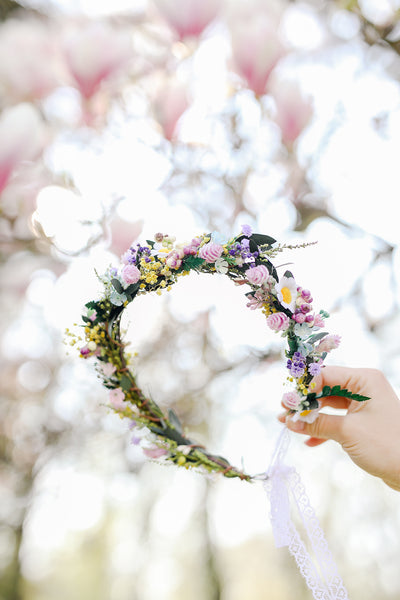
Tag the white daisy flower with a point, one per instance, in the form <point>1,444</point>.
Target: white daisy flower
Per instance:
<point>221,266</point>
<point>286,291</point>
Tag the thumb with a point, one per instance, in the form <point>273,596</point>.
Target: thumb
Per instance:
<point>325,427</point>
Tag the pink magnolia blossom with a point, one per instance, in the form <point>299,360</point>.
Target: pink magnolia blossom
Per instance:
<point>257,275</point>
<point>117,399</point>
<point>256,43</point>
<point>21,139</point>
<point>95,53</point>
<point>31,66</point>
<point>210,252</point>
<point>293,110</point>
<point>330,342</point>
<point>130,274</point>
<point>169,104</point>
<point>188,18</point>
<point>278,321</point>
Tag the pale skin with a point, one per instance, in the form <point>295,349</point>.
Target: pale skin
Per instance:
<point>369,432</point>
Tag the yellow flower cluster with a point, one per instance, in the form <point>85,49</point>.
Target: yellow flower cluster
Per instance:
<point>95,334</point>
<point>151,271</point>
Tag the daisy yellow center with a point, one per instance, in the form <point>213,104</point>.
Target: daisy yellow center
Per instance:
<point>305,413</point>
<point>286,295</point>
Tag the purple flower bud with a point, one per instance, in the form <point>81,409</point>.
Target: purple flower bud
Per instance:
<point>299,318</point>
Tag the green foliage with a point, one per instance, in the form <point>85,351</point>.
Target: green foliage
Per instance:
<point>316,337</point>
<point>117,286</point>
<point>174,420</point>
<point>192,263</point>
<point>131,291</point>
<point>336,390</point>
<point>125,383</point>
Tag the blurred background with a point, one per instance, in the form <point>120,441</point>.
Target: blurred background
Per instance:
<point>121,119</point>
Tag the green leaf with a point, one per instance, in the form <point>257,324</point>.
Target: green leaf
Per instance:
<point>125,383</point>
<point>192,262</point>
<point>115,313</point>
<point>313,403</point>
<point>316,337</point>
<point>288,274</point>
<point>174,420</point>
<point>342,392</point>
<point>150,243</point>
<point>132,289</point>
<point>256,240</point>
<point>292,342</point>
<point>117,286</point>
<point>262,240</point>
<point>92,305</point>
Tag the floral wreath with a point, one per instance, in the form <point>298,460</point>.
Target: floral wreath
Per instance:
<point>157,265</point>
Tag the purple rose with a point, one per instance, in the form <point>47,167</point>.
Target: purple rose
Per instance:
<point>130,274</point>
<point>278,321</point>
<point>210,252</point>
<point>257,275</point>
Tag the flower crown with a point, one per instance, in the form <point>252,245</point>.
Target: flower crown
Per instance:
<point>157,265</point>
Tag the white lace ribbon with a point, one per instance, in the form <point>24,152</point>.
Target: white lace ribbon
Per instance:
<point>283,485</point>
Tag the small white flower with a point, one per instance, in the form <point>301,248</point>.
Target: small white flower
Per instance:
<point>221,266</point>
<point>117,299</point>
<point>302,330</point>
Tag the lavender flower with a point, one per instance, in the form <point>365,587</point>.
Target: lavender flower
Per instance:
<point>296,365</point>
<point>247,230</point>
<point>314,369</point>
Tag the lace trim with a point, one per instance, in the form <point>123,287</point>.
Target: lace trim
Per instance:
<point>284,486</point>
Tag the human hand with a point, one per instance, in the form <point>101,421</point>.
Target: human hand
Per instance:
<point>369,432</point>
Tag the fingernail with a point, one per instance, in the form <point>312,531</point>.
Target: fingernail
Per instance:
<point>295,425</point>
